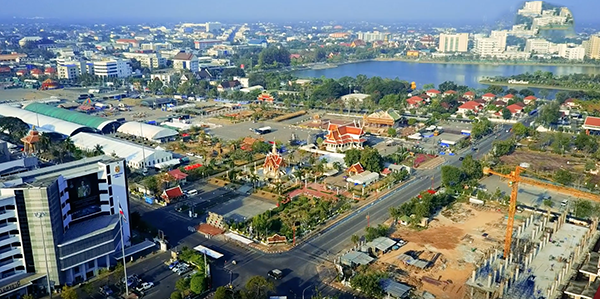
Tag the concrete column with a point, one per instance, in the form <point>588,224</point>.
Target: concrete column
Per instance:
<point>501,289</point>
<point>495,253</point>
<point>517,273</point>
<point>489,284</point>
<point>551,289</point>
<point>510,257</point>
<point>495,276</point>
<point>473,275</point>
<point>548,293</point>
<point>525,248</point>
<point>527,262</point>
<point>501,269</point>
<point>533,235</point>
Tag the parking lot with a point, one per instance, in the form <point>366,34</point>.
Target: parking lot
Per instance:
<point>528,195</point>
<point>281,132</point>
<point>243,208</point>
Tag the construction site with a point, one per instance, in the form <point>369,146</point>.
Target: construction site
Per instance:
<point>542,255</point>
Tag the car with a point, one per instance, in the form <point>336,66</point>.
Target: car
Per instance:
<point>179,266</point>
<point>106,290</point>
<point>564,203</point>
<point>132,281</point>
<point>144,286</point>
<point>461,158</point>
<point>173,264</point>
<point>275,274</point>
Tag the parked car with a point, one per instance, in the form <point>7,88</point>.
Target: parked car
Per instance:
<point>173,264</point>
<point>106,290</point>
<point>132,281</point>
<point>144,286</point>
<point>275,274</point>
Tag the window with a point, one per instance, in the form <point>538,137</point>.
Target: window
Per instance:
<point>110,191</point>
<point>107,169</point>
<point>109,180</point>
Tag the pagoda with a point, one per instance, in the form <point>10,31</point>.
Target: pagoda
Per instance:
<point>272,167</point>
<point>30,140</point>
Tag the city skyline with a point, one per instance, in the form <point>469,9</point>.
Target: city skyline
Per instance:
<point>270,10</point>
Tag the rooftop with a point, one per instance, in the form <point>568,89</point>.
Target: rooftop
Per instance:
<point>95,225</point>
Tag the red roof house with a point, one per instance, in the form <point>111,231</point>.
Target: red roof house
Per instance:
<point>529,99</point>
<point>414,102</point>
<point>448,93</point>
<point>514,108</point>
<point>36,73</point>
<point>433,93</point>
<point>570,103</point>
<point>172,194</point>
<point>179,176</point>
<point>21,72</point>
<point>499,103</point>
<point>470,106</point>
<point>355,169</point>
<point>508,97</point>
<point>591,123</point>
<point>469,95</point>
<point>344,137</point>
<point>49,71</point>
<point>488,97</point>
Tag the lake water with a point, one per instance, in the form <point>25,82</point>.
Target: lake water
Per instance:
<point>425,73</point>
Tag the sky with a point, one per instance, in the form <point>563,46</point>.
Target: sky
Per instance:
<point>435,11</point>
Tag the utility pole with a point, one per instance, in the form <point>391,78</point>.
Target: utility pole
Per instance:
<point>294,231</point>
<point>41,215</point>
<point>368,220</point>
<point>123,253</point>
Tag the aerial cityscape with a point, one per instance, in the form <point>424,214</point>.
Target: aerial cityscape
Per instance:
<point>448,150</point>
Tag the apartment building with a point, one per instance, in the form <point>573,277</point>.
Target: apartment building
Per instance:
<point>112,68</point>
<point>500,36</point>
<point>458,42</point>
<point>592,47</point>
<point>370,37</point>
<point>186,61</point>
<point>571,53</point>
<point>531,8</point>
<point>538,45</point>
<point>147,59</point>
<point>61,223</point>
<point>487,47</point>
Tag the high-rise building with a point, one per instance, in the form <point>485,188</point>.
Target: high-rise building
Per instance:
<point>593,47</point>
<point>537,45</point>
<point>531,8</point>
<point>500,36</point>
<point>373,36</point>
<point>458,42</point>
<point>61,223</point>
<point>112,68</point>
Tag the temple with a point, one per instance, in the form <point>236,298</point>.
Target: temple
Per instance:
<point>273,162</point>
<point>344,137</point>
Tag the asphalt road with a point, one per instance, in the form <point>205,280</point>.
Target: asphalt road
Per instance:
<point>299,264</point>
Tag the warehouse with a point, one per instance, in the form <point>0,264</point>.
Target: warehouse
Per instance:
<point>134,154</point>
<point>148,132</point>
<point>103,125</point>
<point>44,123</point>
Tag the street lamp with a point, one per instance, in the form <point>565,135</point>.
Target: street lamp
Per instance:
<point>305,290</point>
<point>41,215</point>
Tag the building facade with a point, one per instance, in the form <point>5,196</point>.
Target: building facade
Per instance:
<point>149,60</point>
<point>64,218</point>
<point>458,42</point>
<point>593,47</point>
<point>114,68</point>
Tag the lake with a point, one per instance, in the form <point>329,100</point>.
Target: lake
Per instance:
<point>436,73</point>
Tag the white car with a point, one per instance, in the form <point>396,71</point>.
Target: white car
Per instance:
<point>145,286</point>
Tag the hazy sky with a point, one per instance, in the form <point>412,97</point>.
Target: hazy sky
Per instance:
<point>279,10</point>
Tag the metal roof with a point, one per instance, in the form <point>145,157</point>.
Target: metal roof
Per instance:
<point>45,123</point>
<point>356,258</point>
<point>68,115</point>
<point>394,288</point>
<point>382,243</point>
<point>146,131</point>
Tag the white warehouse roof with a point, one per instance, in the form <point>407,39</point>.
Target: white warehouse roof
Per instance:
<point>46,123</point>
<point>131,152</point>
<point>147,131</point>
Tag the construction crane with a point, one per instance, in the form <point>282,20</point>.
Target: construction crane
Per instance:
<point>514,178</point>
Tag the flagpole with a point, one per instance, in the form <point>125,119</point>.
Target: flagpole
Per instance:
<point>123,252</point>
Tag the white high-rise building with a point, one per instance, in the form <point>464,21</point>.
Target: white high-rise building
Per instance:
<point>458,42</point>
<point>487,47</point>
<point>500,36</point>
<point>373,36</point>
<point>538,46</point>
<point>149,60</point>
<point>531,8</point>
<point>571,53</point>
<point>114,68</point>
<point>213,26</point>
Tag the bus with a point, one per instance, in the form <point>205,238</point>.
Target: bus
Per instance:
<point>263,130</point>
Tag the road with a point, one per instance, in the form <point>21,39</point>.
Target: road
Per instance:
<point>299,264</point>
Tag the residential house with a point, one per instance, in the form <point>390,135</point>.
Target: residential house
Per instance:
<point>433,93</point>
<point>499,103</point>
<point>344,137</point>
<point>507,98</point>
<point>488,97</point>
<point>169,195</point>
<point>414,102</point>
<point>515,109</point>
<point>529,100</point>
<point>592,125</point>
<point>469,95</point>
<point>185,61</point>
<point>22,72</point>
<point>50,71</point>
<point>470,106</point>
<point>570,104</point>
<point>355,169</point>
<point>36,73</point>
<point>358,43</point>
<point>448,93</point>
<point>229,86</point>
<point>178,176</point>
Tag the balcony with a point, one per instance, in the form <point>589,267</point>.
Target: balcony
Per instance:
<point>12,265</point>
<point>6,214</point>
<point>6,240</point>
<point>10,252</point>
<point>6,227</point>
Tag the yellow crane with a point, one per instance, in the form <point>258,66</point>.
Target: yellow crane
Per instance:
<point>514,178</point>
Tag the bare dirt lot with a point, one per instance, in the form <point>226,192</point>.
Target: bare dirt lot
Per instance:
<point>455,240</point>
<point>543,162</point>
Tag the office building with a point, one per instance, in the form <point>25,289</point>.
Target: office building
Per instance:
<point>213,26</point>
<point>61,222</point>
<point>500,36</point>
<point>186,61</point>
<point>147,59</point>
<point>538,45</point>
<point>487,47</point>
<point>458,42</point>
<point>112,68</point>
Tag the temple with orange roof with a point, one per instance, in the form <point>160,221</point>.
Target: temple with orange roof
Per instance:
<point>272,167</point>
<point>341,138</point>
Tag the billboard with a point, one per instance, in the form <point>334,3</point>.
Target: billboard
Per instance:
<point>84,196</point>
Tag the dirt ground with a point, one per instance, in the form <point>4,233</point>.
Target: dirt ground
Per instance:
<point>457,235</point>
<point>543,162</point>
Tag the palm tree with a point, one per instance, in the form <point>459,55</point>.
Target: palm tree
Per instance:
<point>45,143</point>
<point>98,150</point>
<point>278,187</point>
<point>355,239</point>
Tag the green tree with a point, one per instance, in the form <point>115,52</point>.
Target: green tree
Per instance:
<point>481,128</point>
<point>584,209</point>
<point>549,114</point>
<point>526,92</point>
<point>548,203</point>
<point>258,287</point>
<point>68,293</point>
<point>198,283</point>
<point>503,148</point>
<point>495,89</point>
<point>472,168</point>
<point>520,129</point>
<point>368,284</point>
<point>506,113</point>
<point>182,284</point>
<point>273,57</point>
<point>371,160</point>
<point>118,273</point>
<point>412,121</point>
<point>391,132</point>
<point>563,176</point>
<point>151,184</point>
<point>15,127</point>
<point>355,239</point>
<point>352,157</point>
<point>155,85</point>
<point>447,85</point>
<point>176,295</point>
<point>452,176</point>
<point>28,296</point>
<point>261,147</point>
<point>586,143</point>
<point>320,141</point>
<point>224,293</point>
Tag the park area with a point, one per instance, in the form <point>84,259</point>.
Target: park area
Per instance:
<point>454,242</point>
